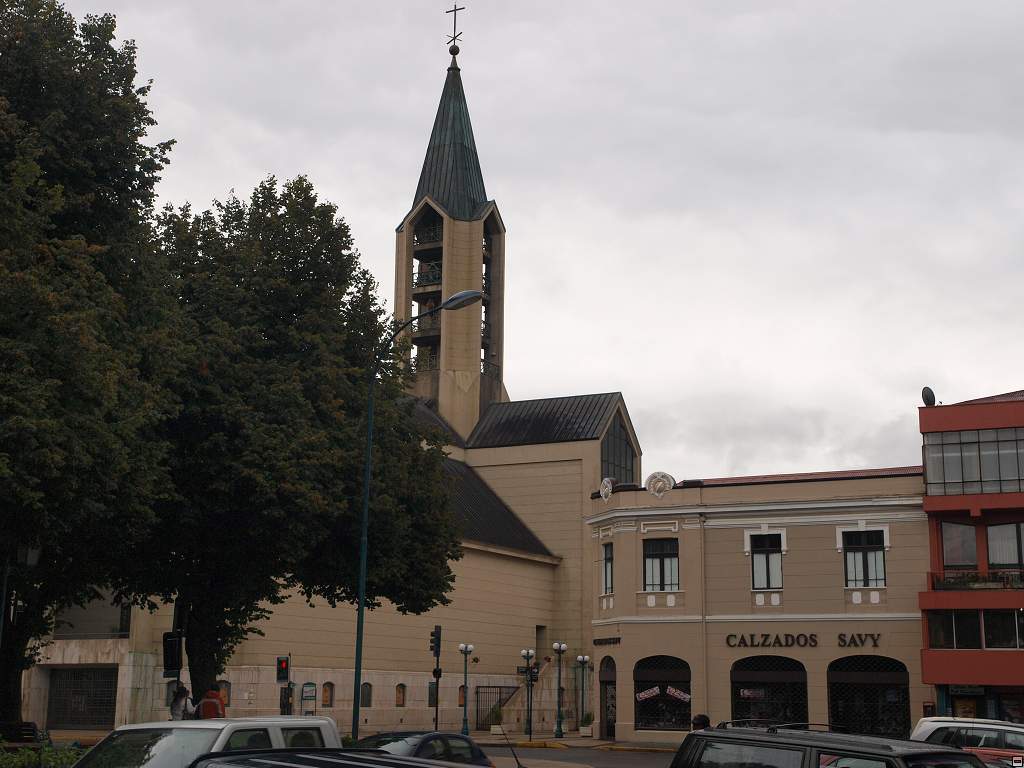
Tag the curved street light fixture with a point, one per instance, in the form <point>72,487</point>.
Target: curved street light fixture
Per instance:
<point>465,649</point>
<point>583,661</point>
<point>455,301</point>
<point>559,648</point>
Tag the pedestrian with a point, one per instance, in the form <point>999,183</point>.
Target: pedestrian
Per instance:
<point>700,722</point>
<point>211,705</point>
<point>181,707</point>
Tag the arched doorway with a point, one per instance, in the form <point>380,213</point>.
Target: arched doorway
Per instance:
<point>772,688</point>
<point>606,676</point>
<point>661,693</point>
<point>869,694</point>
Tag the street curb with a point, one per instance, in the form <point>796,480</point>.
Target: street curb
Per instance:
<point>613,748</point>
<point>541,745</point>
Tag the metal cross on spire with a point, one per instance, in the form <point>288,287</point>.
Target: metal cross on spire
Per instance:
<point>454,37</point>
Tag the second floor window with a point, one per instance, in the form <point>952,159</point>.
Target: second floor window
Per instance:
<point>766,560</point>
<point>1004,545</point>
<point>959,549</point>
<point>607,583</point>
<point>661,565</point>
<point>865,558</point>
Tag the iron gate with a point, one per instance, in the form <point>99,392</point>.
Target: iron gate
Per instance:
<point>489,701</point>
<point>769,688</point>
<point>869,695</point>
<point>82,698</point>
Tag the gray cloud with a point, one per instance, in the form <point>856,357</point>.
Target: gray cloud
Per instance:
<point>767,224</point>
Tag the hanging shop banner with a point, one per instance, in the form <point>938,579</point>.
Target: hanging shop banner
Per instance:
<point>676,693</point>
<point>650,693</point>
<point>751,693</point>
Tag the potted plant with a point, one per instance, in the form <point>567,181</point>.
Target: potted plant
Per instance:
<point>494,716</point>
<point>587,724</point>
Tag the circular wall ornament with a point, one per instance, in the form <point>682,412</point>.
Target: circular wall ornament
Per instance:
<point>659,483</point>
<point>606,488</point>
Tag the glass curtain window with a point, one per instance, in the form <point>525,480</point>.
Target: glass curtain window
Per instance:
<point>766,561</point>
<point>974,461</point>
<point>607,583</point>
<point>967,629</point>
<point>865,558</point>
<point>617,453</point>
<point>661,565</point>
<point>940,629</point>
<point>959,549</point>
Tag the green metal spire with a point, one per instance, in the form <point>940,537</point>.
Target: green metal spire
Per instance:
<point>451,170</point>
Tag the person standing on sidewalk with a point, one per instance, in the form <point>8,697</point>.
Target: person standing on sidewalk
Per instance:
<point>181,707</point>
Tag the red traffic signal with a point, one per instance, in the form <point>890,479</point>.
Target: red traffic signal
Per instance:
<point>284,669</point>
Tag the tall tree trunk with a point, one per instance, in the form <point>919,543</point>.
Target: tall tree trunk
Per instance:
<point>13,663</point>
<point>202,645</point>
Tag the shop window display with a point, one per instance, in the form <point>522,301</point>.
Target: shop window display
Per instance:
<point>661,689</point>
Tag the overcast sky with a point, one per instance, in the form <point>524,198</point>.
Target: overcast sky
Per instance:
<point>768,224</point>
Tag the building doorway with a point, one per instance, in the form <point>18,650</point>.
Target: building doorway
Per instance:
<point>82,698</point>
<point>869,695</point>
<point>769,689</point>
<point>606,676</point>
<point>661,692</point>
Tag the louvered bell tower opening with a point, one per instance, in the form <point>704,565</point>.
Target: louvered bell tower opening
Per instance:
<point>427,252</point>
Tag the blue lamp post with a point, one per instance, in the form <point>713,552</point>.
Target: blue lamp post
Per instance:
<point>455,301</point>
<point>465,649</point>
<point>559,648</point>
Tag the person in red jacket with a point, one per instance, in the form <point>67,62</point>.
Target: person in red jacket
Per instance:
<point>211,705</point>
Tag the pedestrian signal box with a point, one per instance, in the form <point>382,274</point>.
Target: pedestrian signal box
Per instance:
<point>284,669</point>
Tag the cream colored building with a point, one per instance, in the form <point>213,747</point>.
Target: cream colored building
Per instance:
<point>524,476</point>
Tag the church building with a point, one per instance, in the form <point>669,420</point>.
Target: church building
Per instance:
<point>787,597</point>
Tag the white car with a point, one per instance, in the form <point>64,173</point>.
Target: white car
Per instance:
<point>994,741</point>
<point>176,743</point>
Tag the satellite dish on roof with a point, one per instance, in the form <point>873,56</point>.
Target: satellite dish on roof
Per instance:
<point>928,396</point>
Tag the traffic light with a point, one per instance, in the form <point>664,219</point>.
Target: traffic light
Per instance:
<point>284,669</point>
<point>435,640</point>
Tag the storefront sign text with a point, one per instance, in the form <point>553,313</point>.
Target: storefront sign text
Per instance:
<point>858,640</point>
<point>650,693</point>
<point>675,693</point>
<point>768,640</point>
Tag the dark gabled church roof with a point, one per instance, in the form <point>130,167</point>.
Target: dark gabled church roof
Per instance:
<point>551,420</point>
<point>451,169</point>
<point>484,517</point>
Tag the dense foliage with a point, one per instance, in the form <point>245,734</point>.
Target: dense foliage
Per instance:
<point>182,397</point>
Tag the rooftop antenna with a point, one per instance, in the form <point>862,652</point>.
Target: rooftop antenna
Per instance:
<point>928,397</point>
<point>455,36</point>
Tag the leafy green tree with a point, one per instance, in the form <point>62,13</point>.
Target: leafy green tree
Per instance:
<point>267,450</point>
<point>84,308</point>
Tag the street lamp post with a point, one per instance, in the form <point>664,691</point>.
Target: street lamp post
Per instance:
<point>528,657</point>
<point>455,301</point>
<point>559,648</point>
<point>465,649</point>
<point>583,661</point>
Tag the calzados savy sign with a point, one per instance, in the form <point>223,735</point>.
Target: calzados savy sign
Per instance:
<point>810,640</point>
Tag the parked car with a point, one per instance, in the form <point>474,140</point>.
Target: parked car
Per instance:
<point>787,747</point>
<point>430,745</point>
<point>314,758</point>
<point>995,741</point>
<point>176,743</point>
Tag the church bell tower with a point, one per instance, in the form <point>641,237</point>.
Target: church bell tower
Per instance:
<point>453,239</point>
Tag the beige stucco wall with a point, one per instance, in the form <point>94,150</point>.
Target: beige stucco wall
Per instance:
<point>695,622</point>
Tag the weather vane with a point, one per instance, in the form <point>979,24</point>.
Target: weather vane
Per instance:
<point>455,36</point>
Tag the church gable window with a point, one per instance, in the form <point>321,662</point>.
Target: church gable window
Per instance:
<point>617,454</point>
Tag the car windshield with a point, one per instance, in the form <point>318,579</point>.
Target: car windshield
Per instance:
<point>404,746</point>
<point>150,747</point>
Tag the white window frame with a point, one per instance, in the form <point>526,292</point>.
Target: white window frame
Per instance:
<point>862,525</point>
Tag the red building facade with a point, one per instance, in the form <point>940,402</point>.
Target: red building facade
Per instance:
<point>973,610</point>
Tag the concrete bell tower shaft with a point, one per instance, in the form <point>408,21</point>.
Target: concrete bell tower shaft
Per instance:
<point>452,240</point>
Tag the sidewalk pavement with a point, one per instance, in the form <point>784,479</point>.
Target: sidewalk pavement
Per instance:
<point>519,741</point>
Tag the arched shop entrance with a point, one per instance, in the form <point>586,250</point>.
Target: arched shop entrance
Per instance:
<point>661,692</point>
<point>869,694</point>
<point>769,688</point>
<point>606,676</point>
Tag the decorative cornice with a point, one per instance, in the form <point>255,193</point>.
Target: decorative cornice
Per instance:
<point>761,508</point>
<point>756,618</point>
